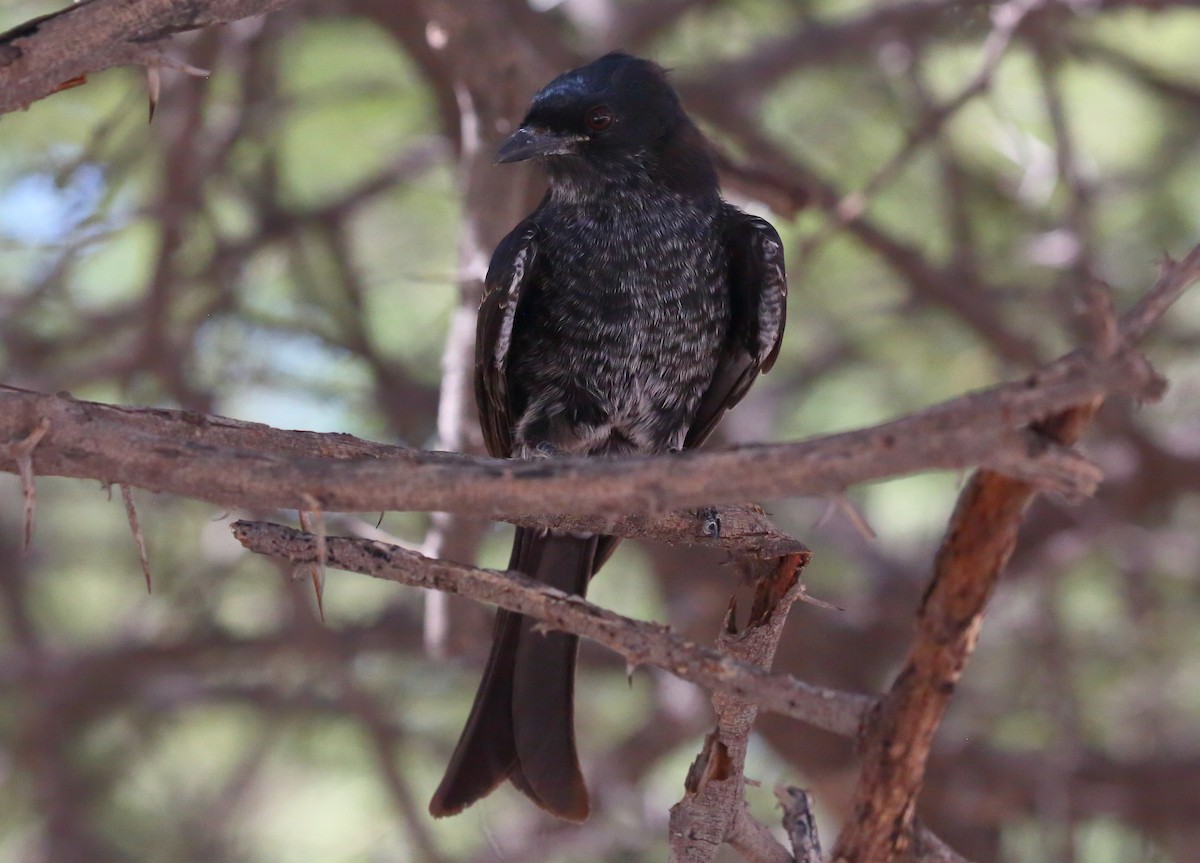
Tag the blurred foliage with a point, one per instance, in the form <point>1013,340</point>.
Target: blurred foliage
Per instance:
<point>231,726</point>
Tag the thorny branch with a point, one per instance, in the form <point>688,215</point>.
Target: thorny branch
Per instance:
<point>252,466</point>
<point>57,50</point>
<point>638,642</point>
<point>978,543</point>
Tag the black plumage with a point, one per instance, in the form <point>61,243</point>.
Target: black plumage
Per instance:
<point>626,314</point>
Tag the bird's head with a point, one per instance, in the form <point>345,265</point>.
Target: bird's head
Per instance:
<point>614,118</point>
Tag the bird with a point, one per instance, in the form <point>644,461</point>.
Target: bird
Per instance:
<point>625,315</point>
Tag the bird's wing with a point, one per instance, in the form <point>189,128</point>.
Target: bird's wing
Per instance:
<point>509,273</point>
<point>758,304</point>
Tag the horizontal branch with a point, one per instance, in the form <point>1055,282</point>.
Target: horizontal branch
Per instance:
<point>238,464</point>
<point>638,642</point>
<point>740,530</point>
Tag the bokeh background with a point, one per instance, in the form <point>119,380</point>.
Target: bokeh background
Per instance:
<point>297,240</point>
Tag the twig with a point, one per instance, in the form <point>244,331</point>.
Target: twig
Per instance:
<point>1007,18</point>
<point>638,642</point>
<point>744,531</point>
<point>800,823</point>
<point>453,414</point>
<point>1177,276</point>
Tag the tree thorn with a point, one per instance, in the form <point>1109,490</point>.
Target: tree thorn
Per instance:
<point>21,452</point>
<point>138,537</point>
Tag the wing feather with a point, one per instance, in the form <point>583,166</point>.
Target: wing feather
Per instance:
<point>758,305</point>
<point>509,273</point>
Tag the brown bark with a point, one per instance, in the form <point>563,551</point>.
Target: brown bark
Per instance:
<point>638,642</point>
<point>980,539</point>
<point>48,53</point>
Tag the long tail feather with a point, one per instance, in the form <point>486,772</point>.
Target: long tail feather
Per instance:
<point>522,724</point>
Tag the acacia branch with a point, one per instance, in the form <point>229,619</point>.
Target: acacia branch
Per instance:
<point>232,463</point>
<point>755,842</point>
<point>43,55</point>
<point>739,530</point>
<point>713,809</point>
<point>638,642</point>
<point>978,543</point>
<point>799,823</point>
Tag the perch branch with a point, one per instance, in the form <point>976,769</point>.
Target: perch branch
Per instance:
<point>231,464</point>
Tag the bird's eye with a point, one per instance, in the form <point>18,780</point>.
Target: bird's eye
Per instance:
<point>599,118</point>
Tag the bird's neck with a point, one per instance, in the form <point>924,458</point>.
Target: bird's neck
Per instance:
<point>623,190</point>
<point>679,168</point>
<point>628,193</point>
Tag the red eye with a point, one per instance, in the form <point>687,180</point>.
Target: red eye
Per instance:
<point>599,118</point>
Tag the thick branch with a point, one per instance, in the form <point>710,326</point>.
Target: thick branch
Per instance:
<point>977,545</point>
<point>640,643</point>
<point>740,530</point>
<point>38,57</point>
<point>231,463</point>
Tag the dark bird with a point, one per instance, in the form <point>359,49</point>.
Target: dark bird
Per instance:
<point>625,315</point>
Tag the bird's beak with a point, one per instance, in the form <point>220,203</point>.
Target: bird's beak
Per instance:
<point>530,141</point>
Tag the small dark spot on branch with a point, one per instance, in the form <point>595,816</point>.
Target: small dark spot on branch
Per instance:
<point>378,553</point>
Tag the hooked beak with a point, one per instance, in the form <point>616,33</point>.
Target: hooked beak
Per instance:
<point>530,141</point>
